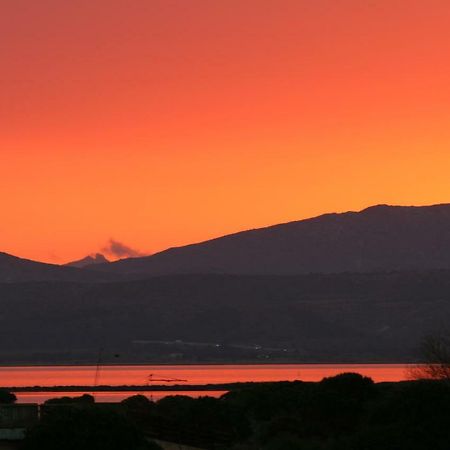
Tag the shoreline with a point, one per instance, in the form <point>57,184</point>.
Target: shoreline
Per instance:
<point>159,388</point>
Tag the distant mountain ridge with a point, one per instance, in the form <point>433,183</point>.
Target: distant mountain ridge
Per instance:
<point>89,260</point>
<point>378,238</point>
<point>358,287</point>
<point>14,269</point>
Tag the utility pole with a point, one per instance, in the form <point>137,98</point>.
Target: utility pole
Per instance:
<point>97,369</point>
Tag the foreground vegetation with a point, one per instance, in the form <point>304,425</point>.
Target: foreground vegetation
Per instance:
<point>346,412</point>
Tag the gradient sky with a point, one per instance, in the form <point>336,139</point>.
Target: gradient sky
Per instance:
<point>162,122</point>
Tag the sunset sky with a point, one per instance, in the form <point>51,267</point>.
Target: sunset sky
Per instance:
<point>161,122</point>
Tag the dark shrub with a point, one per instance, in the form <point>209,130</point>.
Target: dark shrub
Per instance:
<point>7,397</point>
<point>89,428</point>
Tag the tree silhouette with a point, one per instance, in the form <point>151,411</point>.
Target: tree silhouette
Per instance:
<point>435,355</point>
<point>87,428</point>
<point>7,397</point>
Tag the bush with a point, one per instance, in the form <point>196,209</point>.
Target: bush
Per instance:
<point>6,397</point>
<point>84,399</point>
<point>89,428</point>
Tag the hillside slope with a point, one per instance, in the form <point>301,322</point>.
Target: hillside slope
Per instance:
<point>378,238</point>
<point>327,318</point>
<point>14,269</point>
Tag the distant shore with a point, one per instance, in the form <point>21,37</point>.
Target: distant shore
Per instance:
<point>132,388</point>
<point>155,388</point>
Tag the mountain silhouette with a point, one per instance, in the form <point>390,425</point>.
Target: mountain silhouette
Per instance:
<point>358,286</point>
<point>90,260</point>
<point>379,238</point>
<point>14,269</point>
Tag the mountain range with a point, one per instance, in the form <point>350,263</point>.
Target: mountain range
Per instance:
<point>353,287</point>
<point>14,269</point>
<point>376,239</point>
<point>379,238</point>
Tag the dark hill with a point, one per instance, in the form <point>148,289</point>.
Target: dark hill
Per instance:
<point>376,239</point>
<point>329,318</point>
<point>14,269</point>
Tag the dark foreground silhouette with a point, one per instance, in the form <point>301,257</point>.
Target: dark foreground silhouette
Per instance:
<point>346,412</point>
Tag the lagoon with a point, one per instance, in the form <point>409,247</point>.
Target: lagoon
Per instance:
<point>168,375</point>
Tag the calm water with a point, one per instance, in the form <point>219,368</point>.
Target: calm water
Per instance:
<point>183,374</point>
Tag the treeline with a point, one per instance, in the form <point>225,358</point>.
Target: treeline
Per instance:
<point>346,412</point>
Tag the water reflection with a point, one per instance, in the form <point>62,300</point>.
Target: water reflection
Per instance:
<point>179,374</point>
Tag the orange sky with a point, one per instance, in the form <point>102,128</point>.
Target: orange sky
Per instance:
<point>164,122</point>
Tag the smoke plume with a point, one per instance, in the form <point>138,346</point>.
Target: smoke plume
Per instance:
<point>120,250</point>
